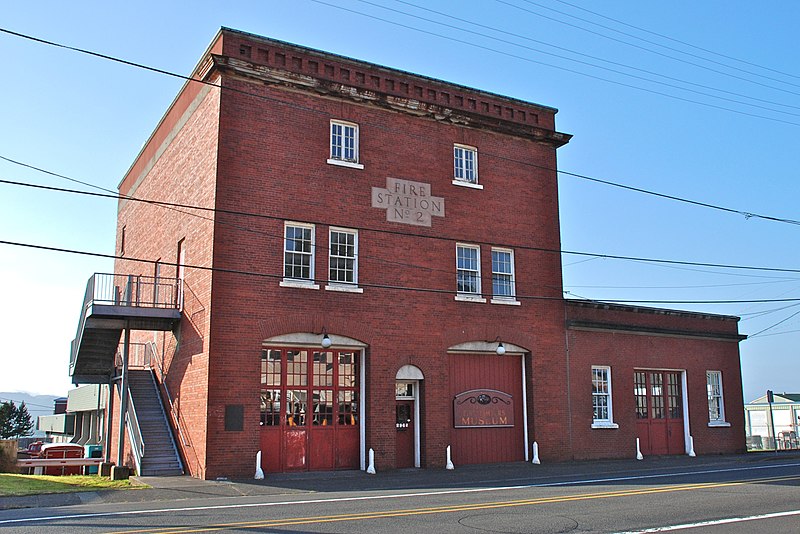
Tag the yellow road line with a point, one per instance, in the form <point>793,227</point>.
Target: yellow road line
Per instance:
<point>454,508</point>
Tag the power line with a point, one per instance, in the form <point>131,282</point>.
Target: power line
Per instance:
<point>667,37</point>
<point>377,286</point>
<point>795,314</point>
<point>405,234</point>
<point>595,58</point>
<point>566,69</point>
<point>746,214</point>
<point>704,67</point>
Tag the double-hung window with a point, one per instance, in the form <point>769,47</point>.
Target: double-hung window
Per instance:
<point>468,272</point>
<point>603,416</point>
<point>465,166</point>
<point>716,406</point>
<point>343,260</point>
<point>503,287</point>
<point>344,144</point>
<point>298,254</point>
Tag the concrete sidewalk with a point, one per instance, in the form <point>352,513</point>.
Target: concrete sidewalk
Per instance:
<point>184,488</point>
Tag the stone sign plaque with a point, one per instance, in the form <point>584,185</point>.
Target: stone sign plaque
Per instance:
<point>408,202</point>
<point>478,408</point>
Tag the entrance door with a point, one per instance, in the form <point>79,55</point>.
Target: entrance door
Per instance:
<point>404,425</point>
<point>659,412</point>
<point>309,409</point>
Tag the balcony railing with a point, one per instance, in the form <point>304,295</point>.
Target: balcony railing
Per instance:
<point>126,290</point>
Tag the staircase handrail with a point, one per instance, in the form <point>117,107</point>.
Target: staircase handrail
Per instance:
<point>88,299</point>
<point>173,412</point>
<point>135,433</point>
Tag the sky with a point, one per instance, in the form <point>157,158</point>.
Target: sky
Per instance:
<point>695,100</point>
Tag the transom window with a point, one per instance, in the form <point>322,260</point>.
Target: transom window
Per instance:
<point>503,273</point>
<point>343,256</point>
<point>716,406</point>
<point>465,164</point>
<point>468,269</point>
<point>344,142</point>
<point>298,256</point>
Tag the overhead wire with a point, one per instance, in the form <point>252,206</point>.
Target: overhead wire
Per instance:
<point>581,54</point>
<point>684,43</point>
<point>373,285</point>
<point>704,67</point>
<point>746,214</point>
<point>566,69</point>
<point>516,246</point>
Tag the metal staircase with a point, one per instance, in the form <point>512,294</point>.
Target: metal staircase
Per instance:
<point>156,454</point>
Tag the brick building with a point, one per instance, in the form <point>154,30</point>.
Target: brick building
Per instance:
<point>380,270</point>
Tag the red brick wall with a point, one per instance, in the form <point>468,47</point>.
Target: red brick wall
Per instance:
<point>625,351</point>
<point>264,168</point>
<point>184,173</point>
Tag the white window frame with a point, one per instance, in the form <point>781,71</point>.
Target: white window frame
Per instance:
<point>460,166</point>
<point>338,285</point>
<point>607,422</point>
<point>339,158</point>
<point>714,378</point>
<point>505,299</point>
<point>306,283</point>
<point>470,296</point>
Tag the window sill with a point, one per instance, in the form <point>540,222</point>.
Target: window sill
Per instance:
<point>605,425</point>
<point>344,288</point>
<point>719,424</point>
<point>301,284</point>
<point>343,163</point>
<point>464,183</point>
<point>470,298</point>
<point>506,301</point>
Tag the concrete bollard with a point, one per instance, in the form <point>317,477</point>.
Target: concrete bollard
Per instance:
<point>535,459</point>
<point>120,472</point>
<point>449,460</point>
<point>259,472</point>
<point>371,467</point>
<point>638,451</point>
<point>691,447</point>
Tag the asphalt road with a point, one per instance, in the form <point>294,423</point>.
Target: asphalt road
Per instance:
<point>704,498</point>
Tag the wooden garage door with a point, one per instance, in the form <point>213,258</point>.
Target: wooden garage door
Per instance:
<point>487,443</point>
<point>659,412</point>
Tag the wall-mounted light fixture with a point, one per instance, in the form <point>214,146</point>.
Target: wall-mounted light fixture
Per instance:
<point>500,350</point>
<point>326,341</point>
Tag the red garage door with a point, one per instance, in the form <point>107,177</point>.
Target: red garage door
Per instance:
<point>494,382</point>
<point>659,412</point>
<point>309,409</point>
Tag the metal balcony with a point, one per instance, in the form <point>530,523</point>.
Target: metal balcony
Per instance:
<point>112,303</point>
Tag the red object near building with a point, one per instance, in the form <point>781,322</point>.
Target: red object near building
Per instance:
<point>53,451</point>
<point>355,272</point>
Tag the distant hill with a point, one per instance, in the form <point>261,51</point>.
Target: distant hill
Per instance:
<point>37,404</point>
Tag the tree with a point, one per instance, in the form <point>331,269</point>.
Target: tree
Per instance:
<point>23,423</point>
<point>15,421</point>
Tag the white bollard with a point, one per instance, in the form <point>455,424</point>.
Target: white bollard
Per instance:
<point>691,447</point>
<point>259,471</point>
<point>535,454</point>
<point>449,460</point>
<point>638,451</point>
<point>371,467</point>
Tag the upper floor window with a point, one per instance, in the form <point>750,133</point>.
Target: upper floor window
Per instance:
<point>343,257</point>
<point>468,271</point>
<point>465,165</point>
<point>503,274</point>
<point>344,144</point>
<point>601,398</point>
<point>716,406</point>
<point>298,252</point>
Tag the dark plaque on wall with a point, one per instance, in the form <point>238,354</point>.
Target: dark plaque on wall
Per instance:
<point>478,408</point>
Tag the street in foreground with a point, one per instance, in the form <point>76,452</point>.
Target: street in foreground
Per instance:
<point>704,497</point>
